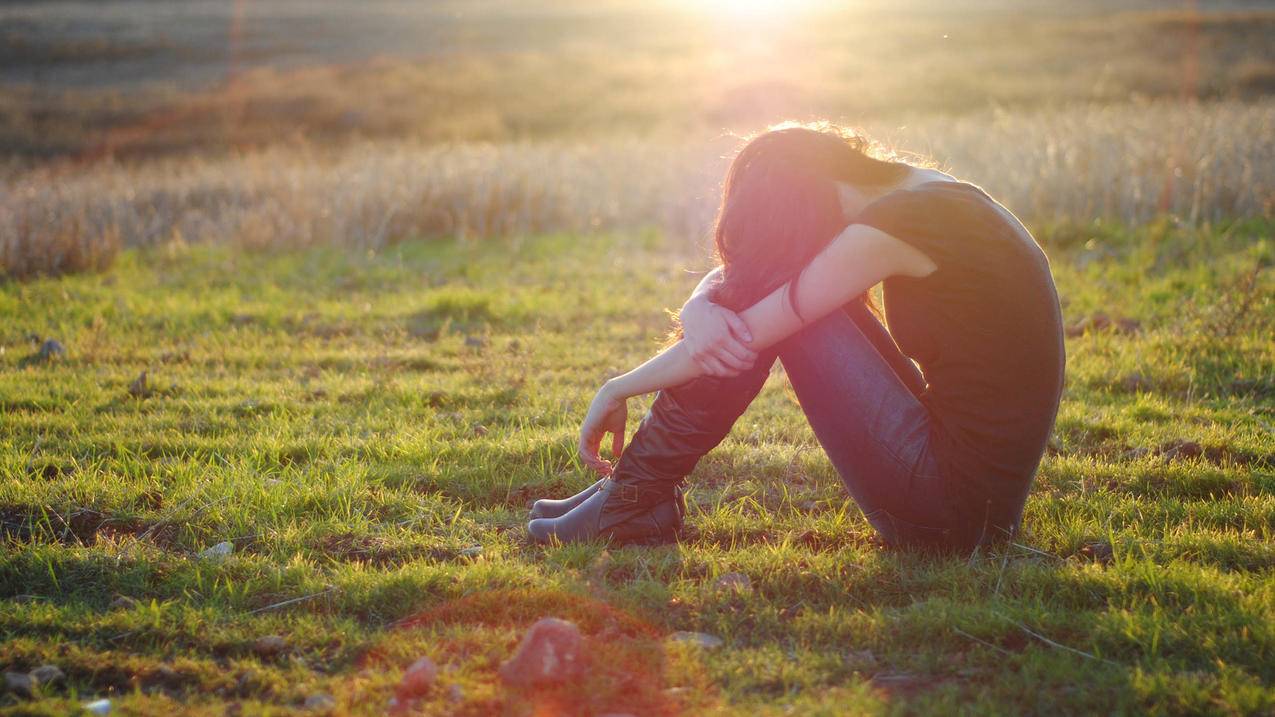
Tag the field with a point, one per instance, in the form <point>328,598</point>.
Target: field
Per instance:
<point>301,305</point>
<point>357,425</point>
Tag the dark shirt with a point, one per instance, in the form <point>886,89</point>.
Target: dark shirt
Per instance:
<point>986,330</point>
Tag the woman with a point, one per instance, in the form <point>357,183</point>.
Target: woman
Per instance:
<point>942,456</point>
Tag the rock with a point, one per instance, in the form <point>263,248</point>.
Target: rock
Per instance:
<point>320,702</point>
<point>50,349</point>
<point>166,675</point>
<point>733,583</point>
<point>123,602</point>
<point>548,653</point>
<point>139,388</point>
<point>1099,552</point>
<point>698,639</point>
<point>19,683</point>
<point>472,551</point>
<point>218,552</point>
<point>98,707</point>
<point>418,680</point>
<point>269,646</point>
<point>47,675</point>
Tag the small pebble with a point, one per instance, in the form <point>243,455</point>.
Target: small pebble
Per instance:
<point>320,703</point>
<point>733,582</point>
<point>47,675</point>
<point>548,653</point>
<point>472,551</point>
<point>1099,551</point>
<point>269,645</point>
<point>19,683</point>
<point>98,707</point>
<point>218,552</point>
<point>51,349</point>
<point>417,680</point>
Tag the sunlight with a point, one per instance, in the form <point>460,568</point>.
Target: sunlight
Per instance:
<point>752,9</point>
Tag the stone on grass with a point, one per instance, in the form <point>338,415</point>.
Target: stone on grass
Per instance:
<point>1099,552</point>
<point>50,349</point>
<point>98,707</point>
<point>320,702</point>
<point>47,675</point>
<point>418,680</point>
<point>733,583</point>
<point>548,653</point>
<point>472,551</point>
<point>19,683</point>
<point>218,552</point>
<point>698,639</point>
<point>269,645</point>
<point>123,602</point>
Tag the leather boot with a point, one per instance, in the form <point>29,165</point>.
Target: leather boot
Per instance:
<point>642,503</point>
<point>619,513</point>
<point>547,508</point>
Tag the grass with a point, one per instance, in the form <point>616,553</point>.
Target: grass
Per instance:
<point>1203,162</point>
<point>354,422</point>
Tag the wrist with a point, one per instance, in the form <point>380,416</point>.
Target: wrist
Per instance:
<point>697,302</point>
<point>611,390</point>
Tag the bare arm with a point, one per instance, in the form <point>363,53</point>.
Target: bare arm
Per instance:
<point>856,260</point>
<point>716,338</point>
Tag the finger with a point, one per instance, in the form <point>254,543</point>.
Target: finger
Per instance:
<point>736,349</point>
<point>721,370</point>
<point>738,327</point>
<point>588,448</point>
<point>732,363</point>
<point>715,367</point>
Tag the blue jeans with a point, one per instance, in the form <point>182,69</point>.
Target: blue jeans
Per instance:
<point>861,397</point>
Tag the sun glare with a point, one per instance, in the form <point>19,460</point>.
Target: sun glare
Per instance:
<point>752,8</point>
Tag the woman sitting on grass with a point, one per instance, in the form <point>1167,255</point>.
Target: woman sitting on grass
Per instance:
<point>942,456</point>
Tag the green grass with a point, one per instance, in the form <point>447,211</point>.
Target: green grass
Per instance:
<point>354,423</point>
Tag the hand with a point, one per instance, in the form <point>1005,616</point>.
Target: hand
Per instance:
<point>607,414</point>
<point>716,338</point>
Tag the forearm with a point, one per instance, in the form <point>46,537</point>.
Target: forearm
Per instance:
<point>671,367</point>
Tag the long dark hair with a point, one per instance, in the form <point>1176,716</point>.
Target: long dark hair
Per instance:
<point>780,205</point>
